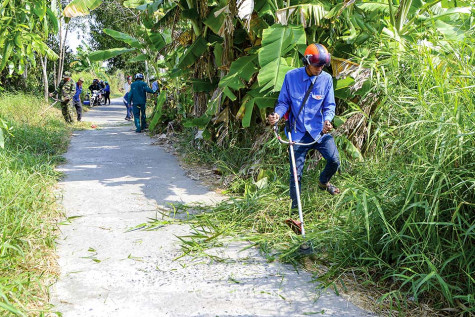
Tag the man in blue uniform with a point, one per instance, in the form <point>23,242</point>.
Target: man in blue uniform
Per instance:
<point>107,92</point>
<point>138,95</point>
<point>308,120</point>
<point>77,99</point>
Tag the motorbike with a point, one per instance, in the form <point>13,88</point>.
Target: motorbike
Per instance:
<point>102,99</point>
<point>96,98</point>
<point>87,100</point>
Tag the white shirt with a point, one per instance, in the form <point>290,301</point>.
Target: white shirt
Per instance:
<point>127,87</point>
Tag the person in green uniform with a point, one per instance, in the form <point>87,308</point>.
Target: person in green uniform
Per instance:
<point>65,92</point>
<point>138,95</point>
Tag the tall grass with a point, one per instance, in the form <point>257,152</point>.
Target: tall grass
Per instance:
<point>27,203</point>
<point>405,218</point>
<point>411,218</point>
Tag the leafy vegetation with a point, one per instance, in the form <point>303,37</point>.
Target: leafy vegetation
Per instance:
<point>35,140</point>
<point>405,218</point>
<point>25,27</point>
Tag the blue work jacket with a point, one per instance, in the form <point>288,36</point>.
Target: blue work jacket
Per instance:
<point>138,92</point>
<point>320,105</point>
<point>78,92</point>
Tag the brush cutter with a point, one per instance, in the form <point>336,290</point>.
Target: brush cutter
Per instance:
<point>50,106</point>
<point>296,226</point>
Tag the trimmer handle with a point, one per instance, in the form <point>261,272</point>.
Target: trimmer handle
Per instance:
<point>276,133</point>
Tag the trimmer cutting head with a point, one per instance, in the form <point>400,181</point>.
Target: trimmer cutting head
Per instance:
<point>295,225</point>
<point>306,249</point>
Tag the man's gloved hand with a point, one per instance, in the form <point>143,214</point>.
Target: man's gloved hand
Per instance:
<point>66,99</point>
<point>273,118</point>
<point>327,126</point>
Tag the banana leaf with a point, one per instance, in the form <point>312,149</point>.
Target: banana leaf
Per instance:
<point>134,3</point>
<point>214,22</point>
<point>204,85</point>
<point>156,40</point>
<point>342,87</point>
<point>369,7</point>
<point>246,120</point>
<point>263,100</point>
<point>245,9</point>
<point>272,75</point>
<point>241,71</point>
<point>309,14</point>
<point>265,7</point>
<point>158,110</point>
<point>124,38</point>
<point>106,54</point>
<point>138,58</point>
<point>277,41</point>
<point>229,93</point>
<point>351,150</point>
<point>78,8</point>
<point>218,54</point>
<point>192,53</point>
<point>150,7</point>
<point>452,32</point>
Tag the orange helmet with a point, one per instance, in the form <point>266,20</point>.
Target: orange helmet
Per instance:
<point>316,55</point>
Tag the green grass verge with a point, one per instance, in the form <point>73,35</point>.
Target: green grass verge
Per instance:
<point>28,209</point>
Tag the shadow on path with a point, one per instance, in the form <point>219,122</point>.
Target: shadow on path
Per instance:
<point>114,180</point>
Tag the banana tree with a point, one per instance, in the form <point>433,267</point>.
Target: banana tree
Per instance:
<point>82,63</point>
<point>393,25</point>
<point>25,28</point>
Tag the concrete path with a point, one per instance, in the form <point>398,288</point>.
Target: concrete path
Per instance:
<point>115,180</point>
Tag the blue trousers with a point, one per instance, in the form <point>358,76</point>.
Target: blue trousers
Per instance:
<point>326,146</point>
<point>129,107</point>
<point>139,117</point>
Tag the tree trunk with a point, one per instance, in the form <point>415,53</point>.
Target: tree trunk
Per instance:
<point>64,48</point>
<point>147,76</point>
<point>25,76</point>
<point>200,98</point>
<point>55,82</point>
<point>45,76</point>
<point>62,52</point>
<point>57,70</point>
